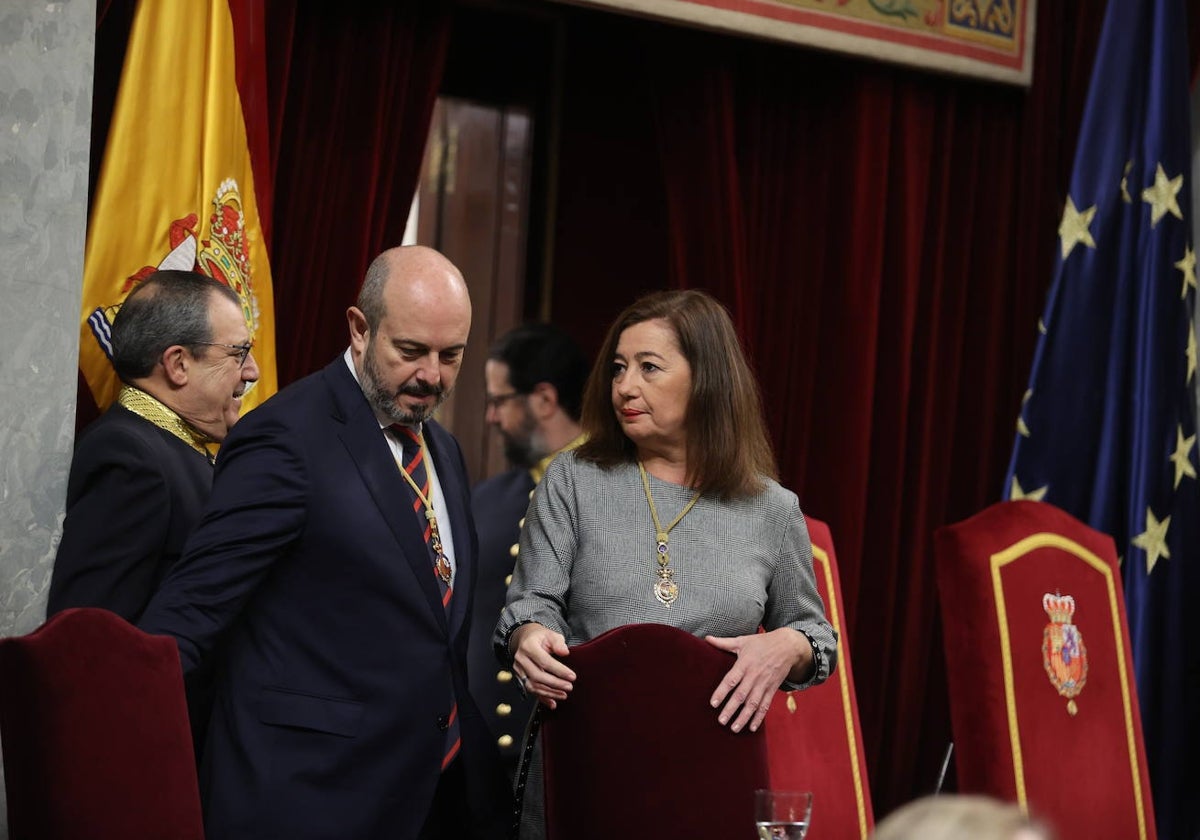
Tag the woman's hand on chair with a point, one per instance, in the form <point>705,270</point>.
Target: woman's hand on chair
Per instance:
<point>764,660</point>
<point>535,650</point>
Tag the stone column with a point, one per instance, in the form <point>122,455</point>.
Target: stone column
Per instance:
<point>46,60</point>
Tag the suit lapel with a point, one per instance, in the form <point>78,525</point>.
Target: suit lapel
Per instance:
<point>365,442</point>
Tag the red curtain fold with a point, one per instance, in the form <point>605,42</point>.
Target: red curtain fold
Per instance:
<point>351,102</point>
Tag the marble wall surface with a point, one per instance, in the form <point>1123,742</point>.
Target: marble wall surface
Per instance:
<point>46,62</point>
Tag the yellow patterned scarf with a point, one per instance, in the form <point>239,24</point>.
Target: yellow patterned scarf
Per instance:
<point>153,411</point>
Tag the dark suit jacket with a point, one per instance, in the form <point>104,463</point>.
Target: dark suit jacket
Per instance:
<point>339,662</point>
<point>134,495</point>
<point>499,505</point>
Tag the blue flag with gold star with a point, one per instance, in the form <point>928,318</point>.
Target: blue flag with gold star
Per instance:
<point>1107,429</point>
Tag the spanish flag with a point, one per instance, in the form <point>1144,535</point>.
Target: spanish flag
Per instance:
<point>177,189</point>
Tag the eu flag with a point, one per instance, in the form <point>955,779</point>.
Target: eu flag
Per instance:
<point>1107,430</point>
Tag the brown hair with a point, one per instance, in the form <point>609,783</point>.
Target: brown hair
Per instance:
<point>728,451</point>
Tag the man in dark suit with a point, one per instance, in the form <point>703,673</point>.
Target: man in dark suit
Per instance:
<point>534,377</point>
<point>142,472</point>
<point>341,590</point>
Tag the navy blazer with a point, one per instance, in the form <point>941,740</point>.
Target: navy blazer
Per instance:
<point>135,493</point>
<point>338,663</point>
<point>499,505</point>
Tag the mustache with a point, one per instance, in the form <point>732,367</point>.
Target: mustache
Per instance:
<point>422,389</point>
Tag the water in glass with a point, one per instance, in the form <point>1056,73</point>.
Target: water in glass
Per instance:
<point>782,830</point>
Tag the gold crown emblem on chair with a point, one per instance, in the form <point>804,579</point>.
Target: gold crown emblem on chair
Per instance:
<point>1060,608</point>
<point>1064,655</point>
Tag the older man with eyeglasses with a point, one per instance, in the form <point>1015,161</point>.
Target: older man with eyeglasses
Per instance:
<point>143,472</point>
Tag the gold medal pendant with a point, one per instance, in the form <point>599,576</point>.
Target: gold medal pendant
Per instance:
<point>441,563</point>
<point>666,591</point>
<point>443,568</point>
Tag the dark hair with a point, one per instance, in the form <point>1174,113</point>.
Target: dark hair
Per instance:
<point>728,450</point>
<point>169,307</point>
<point>538,353</point>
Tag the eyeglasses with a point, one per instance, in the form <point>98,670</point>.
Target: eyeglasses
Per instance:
<point>242,351</point>
<point>500,399</point>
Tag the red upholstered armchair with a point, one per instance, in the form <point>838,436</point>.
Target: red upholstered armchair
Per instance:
<point>638,752</point>
<point>95,733</point>
<point>814,741</point>
<point>1042,696</point>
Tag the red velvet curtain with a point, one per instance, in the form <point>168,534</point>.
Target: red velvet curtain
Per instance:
<point>884,239</point>
<point>352,93</point>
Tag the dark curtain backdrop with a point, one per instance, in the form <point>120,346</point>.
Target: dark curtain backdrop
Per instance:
<point>352,92</point>
<point>883,238</point>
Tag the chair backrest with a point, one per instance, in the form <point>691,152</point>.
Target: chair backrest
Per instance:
<point>814,740</point>
<point>1042,697</point>
<point>95,732</point>
<point>638,751</point>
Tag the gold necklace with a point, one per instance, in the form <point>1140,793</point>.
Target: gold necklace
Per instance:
<point>441,563</point>
<point>666,590</point>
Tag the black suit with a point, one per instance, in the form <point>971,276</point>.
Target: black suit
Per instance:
<point>134,495</point>
<point>499,505</point>
<point>340,662</point>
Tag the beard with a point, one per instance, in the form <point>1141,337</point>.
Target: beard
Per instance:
<point>518,452</point>
<point>384,400</point>
<point>521,448</point>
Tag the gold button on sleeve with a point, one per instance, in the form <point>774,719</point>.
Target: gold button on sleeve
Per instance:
<point>521,524</point>
<point>504,676</point>
<point>508,580</point>
<point>515,550</point>
<point>505,741</point>
<point>504,710</point>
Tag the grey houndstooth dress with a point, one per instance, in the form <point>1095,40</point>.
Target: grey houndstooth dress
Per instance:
<point>587,564</point>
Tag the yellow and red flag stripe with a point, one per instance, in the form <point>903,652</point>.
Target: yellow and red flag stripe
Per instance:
<point>177,186</point>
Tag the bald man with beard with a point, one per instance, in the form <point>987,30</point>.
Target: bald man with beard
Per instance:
<point>340,590</point>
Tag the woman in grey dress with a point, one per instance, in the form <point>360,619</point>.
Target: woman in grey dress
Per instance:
<point>670,513</point>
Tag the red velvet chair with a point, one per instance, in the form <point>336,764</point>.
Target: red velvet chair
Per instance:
<point>95,733</point>
<point>814,741</point>
<point>1042,696</point>
<point>638,753</point>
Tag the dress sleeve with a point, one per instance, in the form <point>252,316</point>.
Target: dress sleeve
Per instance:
<point>794,601</point>
<point>542,577</point>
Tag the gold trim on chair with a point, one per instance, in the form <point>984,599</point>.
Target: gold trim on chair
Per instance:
<point>819,554</point>
<point>1016,552</point>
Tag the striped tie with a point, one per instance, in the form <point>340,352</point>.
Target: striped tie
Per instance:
<point>414,465</point>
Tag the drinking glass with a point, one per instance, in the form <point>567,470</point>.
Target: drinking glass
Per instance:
<point>782,814</point>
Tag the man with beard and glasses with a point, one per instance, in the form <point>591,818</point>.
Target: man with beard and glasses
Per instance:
<point>534,377</point>
<point>333,571</point>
